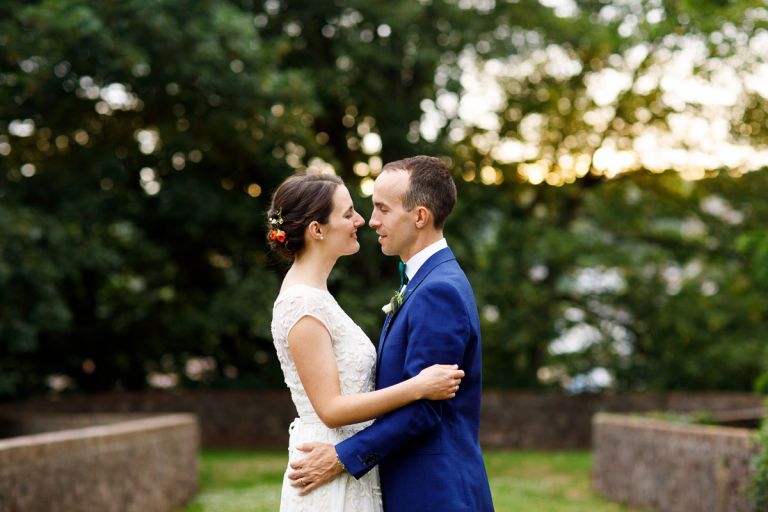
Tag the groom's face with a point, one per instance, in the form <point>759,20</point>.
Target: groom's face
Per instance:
<point>395,226</point>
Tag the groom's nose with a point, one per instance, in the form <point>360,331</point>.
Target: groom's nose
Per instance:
<point>374,222</point>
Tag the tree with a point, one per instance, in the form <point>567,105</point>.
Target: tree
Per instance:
<point>139,143</point>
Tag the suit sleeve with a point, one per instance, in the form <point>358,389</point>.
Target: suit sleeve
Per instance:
<point>438,332</point>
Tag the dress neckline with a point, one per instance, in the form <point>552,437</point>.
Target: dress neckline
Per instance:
<point>301,285</point>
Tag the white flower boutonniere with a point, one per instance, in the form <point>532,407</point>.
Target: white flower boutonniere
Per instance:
<point>395,302</point>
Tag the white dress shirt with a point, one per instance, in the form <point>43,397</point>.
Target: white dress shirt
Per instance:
<point>417,260</point>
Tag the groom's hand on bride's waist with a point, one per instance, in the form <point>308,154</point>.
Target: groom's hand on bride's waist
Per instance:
<point>320,465</point>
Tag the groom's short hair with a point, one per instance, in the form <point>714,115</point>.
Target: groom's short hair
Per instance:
<point>430,185</point>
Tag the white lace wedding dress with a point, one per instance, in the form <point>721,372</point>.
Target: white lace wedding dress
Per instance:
<point>356,361</point>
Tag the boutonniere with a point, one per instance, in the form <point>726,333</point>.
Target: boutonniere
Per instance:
<point>395,302</point>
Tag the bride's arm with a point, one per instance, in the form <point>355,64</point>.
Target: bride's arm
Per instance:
<point>312,351</point>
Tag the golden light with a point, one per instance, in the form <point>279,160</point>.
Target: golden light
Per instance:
<point>693,173</point>
<point>371,143</point>
<point>534,173</point>
<point>28,170</point>
<point>178,161</point>
<point>611,163</point>
<point>293,160</point>
<point>568,174</point>
<point>366,187</point>
<point>89,366</point>
<point>602,159</point>
<point>361,169</point>
<point>488,175</point>
<point>82,138</point>
<point>554,179</point>
<point>277,110</point>
<point>254,190</point>
<point>319,166</point>
<point>566,161</point>
<point>583,163</point>
<point>375,164</point>
<point>666,133</point>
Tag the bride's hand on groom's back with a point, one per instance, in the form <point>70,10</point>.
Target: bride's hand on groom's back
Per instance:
<point>439,381</point>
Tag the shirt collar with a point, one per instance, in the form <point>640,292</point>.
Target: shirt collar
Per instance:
<point>417,260</point>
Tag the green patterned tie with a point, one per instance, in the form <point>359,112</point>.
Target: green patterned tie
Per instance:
<point>403,275</point>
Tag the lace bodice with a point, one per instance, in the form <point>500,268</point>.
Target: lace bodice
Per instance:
<point>356,363</point>
<point>355,354</point>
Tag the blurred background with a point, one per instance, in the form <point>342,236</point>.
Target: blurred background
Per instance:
<point>610,158</point>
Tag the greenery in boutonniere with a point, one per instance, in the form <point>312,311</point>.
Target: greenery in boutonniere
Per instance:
<point>395,302</point>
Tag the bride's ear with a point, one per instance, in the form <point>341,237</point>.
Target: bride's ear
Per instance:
<point>315,231</point>
<point>423,215</point>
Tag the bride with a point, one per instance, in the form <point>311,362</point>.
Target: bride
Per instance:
<point>328,362</point>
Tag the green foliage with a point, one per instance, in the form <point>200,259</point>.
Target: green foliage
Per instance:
<point>678,300</point>
<point>759,487</point>
<point>105,281</point>
<point>139,143</point>
<point>754,246</point>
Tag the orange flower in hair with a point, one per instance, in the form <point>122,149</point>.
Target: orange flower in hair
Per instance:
<point>275,233</point>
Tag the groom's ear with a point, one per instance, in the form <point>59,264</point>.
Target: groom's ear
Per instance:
<point>423,217</point>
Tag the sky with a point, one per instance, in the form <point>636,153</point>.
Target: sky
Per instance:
<point>704,82</point>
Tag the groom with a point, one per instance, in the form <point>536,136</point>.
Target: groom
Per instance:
<point>428,452</point>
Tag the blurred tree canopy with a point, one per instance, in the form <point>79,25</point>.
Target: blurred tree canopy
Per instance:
<point>608,156</point>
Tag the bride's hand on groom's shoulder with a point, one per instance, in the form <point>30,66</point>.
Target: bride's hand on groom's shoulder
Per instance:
<point>439,381</point>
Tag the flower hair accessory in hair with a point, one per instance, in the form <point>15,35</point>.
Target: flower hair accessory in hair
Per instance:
<point>275,233</point>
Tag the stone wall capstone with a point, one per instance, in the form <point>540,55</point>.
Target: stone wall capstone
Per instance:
<point>671,467</point>
<point>140,465</point>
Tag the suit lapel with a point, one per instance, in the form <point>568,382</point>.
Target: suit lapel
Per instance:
<point>431,264</point>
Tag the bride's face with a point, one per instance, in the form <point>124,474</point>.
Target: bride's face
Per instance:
<point>340,234</point>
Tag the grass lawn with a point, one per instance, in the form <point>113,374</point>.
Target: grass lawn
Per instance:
<point>246,481</point>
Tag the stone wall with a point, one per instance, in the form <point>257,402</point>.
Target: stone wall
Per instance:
<point>228,419</point>
<point>672,467</point>
<point>140,465</point>
<point>14,424</point>
<point>510,419</point>
<point>523,420</point>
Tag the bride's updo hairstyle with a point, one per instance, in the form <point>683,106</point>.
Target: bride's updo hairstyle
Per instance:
<point>298,201</point>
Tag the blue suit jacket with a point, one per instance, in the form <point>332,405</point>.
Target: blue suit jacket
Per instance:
<point>428,451</point>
